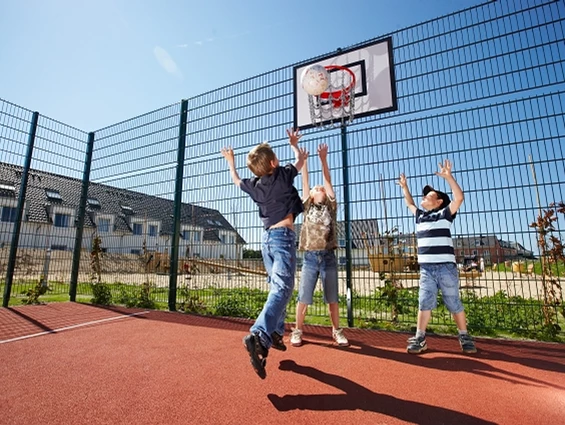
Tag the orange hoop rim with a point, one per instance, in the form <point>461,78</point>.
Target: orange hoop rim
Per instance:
<point>337,93</point>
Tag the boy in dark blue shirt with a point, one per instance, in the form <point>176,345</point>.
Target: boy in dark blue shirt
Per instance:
<point>279,203</point>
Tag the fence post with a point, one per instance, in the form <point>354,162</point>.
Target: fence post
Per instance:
<point>177,207</point>
<point>20,212</point>
<point>80,217</point>
<point>347,226</point>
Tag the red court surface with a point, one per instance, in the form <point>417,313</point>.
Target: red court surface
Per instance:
<point>80,364</point>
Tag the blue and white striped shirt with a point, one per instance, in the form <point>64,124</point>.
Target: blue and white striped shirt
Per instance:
<point>434,236</point>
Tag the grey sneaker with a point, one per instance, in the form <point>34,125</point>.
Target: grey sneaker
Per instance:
<point>416,345</point>
<point>296,337</point>
<point>467,344</point>
<point>340,338</point>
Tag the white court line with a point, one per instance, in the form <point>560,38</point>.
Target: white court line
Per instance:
<point>29,336</point>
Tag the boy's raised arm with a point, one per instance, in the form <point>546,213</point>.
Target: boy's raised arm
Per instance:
<point>458,197</point>
<point>323,154</point>
<point>305,182</point>
<point>293,138</point>
<point>228,154</point>
<point>407,196</point>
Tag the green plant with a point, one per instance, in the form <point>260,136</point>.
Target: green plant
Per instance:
<point>136,297</point>
<point>144,296</point>
<point>95,255</point>
<point>191,302</point>
<point>34,293</point>
<point>102,295</point>
<point>230,307</point>
<point>552,252</point>
<point>390,293</point>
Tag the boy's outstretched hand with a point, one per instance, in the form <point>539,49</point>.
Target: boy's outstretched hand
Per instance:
<point>444,169</point>
<point>402,181</point>
<point>227,153</point>
<point>323,151</point>
<point>293,136</point>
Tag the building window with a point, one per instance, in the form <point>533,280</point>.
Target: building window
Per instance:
<point>93,202</point>
<point>135,251</point>
<point>486,252</point>
<point>53,195</point>
<point>459,243</point>
<point>58,247</point>
<point>232,239</point>
<point>103,225</point>
<point>137,229</point>
<point>341,242</point>
<point>7,187</point>
<point>462,253</point>
<point>62,220</point>
<point>152,230</point>
<point>185,235</point>
<point>9,214</point>
<point>196,236</point>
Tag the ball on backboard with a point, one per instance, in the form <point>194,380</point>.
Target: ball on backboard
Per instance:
<point>315,80</point>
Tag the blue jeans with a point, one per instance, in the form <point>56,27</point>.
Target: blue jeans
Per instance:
<point>279,257</point>
<point>435,277</point>
<point>323,264</point>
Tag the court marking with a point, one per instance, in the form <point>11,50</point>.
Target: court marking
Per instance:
<point>57,330</point>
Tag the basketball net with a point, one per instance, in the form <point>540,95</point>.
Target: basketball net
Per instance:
<point>336,106</point>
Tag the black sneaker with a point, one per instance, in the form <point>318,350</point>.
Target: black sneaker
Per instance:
<point>257,354</point>
<point>467,344</point>
<point>278,342</point>
<point>416,345</point>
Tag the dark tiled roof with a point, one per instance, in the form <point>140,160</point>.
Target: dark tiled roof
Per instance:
<point>111,200</point>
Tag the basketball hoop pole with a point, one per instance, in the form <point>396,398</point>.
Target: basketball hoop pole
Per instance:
<point>347,225</point>
<point>332,108</point>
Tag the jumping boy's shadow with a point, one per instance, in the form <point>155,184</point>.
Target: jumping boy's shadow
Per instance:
<point>357,397</point>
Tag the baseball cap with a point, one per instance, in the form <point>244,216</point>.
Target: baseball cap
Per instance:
<point>440,195</point>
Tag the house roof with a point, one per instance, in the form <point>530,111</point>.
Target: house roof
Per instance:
<point>43,187</point>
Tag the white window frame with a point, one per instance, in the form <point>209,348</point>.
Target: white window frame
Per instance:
<point>55,210</point>
<point>108,217</point>
<point>133,224</point>
<point>155,223</point>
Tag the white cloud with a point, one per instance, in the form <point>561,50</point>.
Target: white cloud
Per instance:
<point>166,62</point>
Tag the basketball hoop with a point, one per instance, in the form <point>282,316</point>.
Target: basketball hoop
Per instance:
<point>335,106</point>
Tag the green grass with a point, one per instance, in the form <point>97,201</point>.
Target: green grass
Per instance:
<point>494,316</point>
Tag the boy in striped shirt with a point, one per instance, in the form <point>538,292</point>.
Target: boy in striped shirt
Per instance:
<point>436,257</point>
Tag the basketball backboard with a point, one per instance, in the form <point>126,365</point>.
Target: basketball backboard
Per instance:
<point>374,90</point>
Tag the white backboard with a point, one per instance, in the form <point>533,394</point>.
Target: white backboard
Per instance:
<point>375,90</point>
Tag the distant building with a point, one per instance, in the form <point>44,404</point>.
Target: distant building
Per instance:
<point>488,247</point>
<point>125,220</point>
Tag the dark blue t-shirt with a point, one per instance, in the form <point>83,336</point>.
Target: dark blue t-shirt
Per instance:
<point>275,195</point>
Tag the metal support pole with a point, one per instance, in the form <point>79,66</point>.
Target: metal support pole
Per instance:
<point>177,207</point>
<point>80,217</point>
<point>20,212</point>
<point>347,226</point>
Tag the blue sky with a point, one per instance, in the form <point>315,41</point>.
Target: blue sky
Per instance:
<point>93,64</point>
<point>90,64</point>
